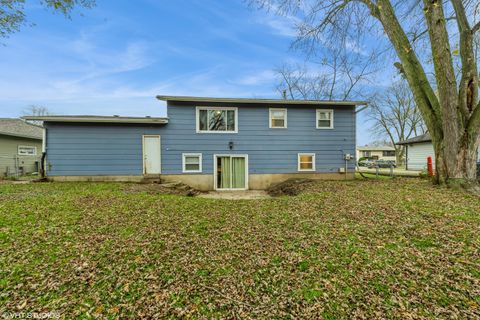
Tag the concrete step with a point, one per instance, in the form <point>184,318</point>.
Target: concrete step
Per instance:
<point>152,178</point>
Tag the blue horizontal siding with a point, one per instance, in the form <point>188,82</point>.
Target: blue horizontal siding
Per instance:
<point>106,149</point>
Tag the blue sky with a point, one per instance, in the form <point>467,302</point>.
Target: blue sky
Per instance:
<point>115,58</point>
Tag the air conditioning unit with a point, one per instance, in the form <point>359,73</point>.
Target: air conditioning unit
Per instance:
<point>341,170</point>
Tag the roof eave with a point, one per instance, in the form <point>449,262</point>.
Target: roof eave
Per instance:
<point>262,101</point>
<point>99,119</point>
<point>375,149</point>
<point>412,142</point>
<point>20,135</point>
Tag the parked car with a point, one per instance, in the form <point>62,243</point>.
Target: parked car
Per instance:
<point>382,164</point>
<point>364,163</point>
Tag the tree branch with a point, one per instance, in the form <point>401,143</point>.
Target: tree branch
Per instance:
<point>476,27</point>
<point>411,67</point>
<point>468,88</point>
<point>416,36</point>
<point>473,125</point>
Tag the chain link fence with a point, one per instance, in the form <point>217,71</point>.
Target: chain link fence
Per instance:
<point>413,169</point>
<point>16,166</point>
<point>382,169</point>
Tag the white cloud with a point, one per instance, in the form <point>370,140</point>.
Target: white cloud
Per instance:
<point>280,25</point>
<point>99,95</point>
<point>98,61</point>
<point>93,74</point>
<point>78,68</point>
<point>256,78</point>
<point>279,21</point>
<point>355,47</point>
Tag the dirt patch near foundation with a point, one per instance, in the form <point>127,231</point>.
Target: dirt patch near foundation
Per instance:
<point>175,188</point>
<point>9,181</point>
<point>291,187</point>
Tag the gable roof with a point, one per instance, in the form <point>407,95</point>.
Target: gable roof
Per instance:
<point>20,128</point>
<point>260,101</point>
<point>99,119</point>
<point>418,139</point>
<point>375,148</point>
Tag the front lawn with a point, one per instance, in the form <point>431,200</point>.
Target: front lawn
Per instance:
<point>357,249</point>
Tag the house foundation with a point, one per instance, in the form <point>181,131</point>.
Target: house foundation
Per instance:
<point>204,182</point>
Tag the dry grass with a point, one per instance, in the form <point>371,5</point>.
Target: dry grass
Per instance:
<point>358,249</point>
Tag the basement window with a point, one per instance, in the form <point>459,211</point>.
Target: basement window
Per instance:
<point>306,162</point>
<point>192,162</point>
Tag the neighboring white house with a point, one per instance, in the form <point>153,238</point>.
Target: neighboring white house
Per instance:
<point>418,149</point>
<point>376,152</point>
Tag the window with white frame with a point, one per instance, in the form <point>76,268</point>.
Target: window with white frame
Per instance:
<point>217,119</point>
<point>278,118</point>
<point>324,119</point>
<point>306,162</point>
<point>192,162</point>
<point>27,151</point>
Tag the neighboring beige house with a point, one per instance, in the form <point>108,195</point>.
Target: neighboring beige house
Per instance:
<point>376,152</point>
<point>20,147</point>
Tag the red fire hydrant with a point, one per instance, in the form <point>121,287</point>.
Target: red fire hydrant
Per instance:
<point>430,167</point>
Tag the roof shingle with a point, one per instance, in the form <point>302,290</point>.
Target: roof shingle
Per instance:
<point>375,148</point>
<point>20,128</point>
<point>418,139</point>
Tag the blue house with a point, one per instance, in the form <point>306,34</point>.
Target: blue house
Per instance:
<point>208,143</point>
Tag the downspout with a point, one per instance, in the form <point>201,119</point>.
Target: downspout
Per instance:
<point>346,168</point>
<point>42,165</point>
<point>43,172</point>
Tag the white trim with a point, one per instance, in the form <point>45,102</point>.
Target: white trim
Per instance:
<point>197,119</point>
<point>313,161</point>
<point>99,119</point>
<point>316,118</point>
<point>184,169</point>
<point>26,154</point>
<point>215,175</point>
<point>270,118</point>
<point>263,101</point>
<point>143,151</point>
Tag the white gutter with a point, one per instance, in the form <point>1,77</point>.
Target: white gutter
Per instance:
<point>260,101</point>
<point>99,119</point>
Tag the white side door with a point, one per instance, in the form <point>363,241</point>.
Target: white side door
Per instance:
<point>151,154</point>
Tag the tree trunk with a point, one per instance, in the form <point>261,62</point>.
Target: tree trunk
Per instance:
<point>451,111</point>
<point>440,170</point>
<point>399,155</point>
<point>456,163</point>
<point>452,117</point>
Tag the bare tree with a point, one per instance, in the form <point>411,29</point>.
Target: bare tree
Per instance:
<point>297,83</point>
<point>422,34</point>
<point>396,116</point>
<point>35,111</point>
<point>381,143</point>
<point>335,73</point>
